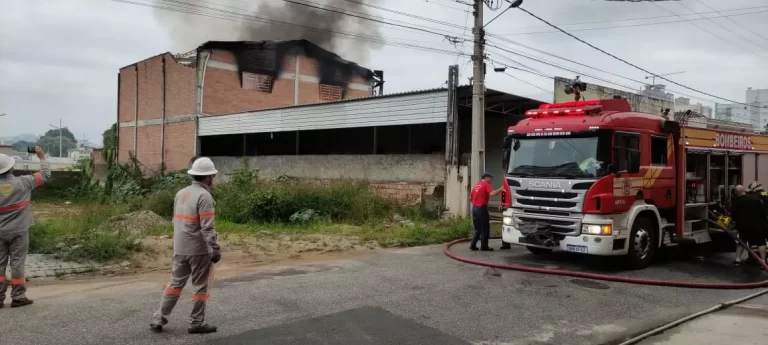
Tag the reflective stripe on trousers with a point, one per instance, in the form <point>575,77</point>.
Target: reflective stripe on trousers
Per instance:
<point>200,269</point>
<point>13,250</point>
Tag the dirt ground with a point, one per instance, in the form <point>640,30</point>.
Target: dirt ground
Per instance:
<point>252,250</point>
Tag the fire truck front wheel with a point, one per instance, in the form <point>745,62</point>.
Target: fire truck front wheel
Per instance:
<point>641,244</point>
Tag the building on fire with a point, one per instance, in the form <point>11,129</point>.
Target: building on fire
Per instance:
<point>292,108</point>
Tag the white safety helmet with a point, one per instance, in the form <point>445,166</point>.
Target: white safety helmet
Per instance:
<point>203,167</point>
<point>6,163</point>
<point>755,186</point>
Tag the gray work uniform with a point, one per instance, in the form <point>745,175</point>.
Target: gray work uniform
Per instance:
<point>194,240</point>
<point>15,220</point>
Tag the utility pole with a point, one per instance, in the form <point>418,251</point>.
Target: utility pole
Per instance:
<point>61,134</point>
<point>477,158</point>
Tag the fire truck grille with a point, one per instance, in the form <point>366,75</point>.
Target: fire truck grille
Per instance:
<point>546,194</point>
<point>549,199</point>
<point>546,203</point>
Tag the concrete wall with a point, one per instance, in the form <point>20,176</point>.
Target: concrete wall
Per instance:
<point>457,191</point>
<point>372,168</point>
<point>638,102</point>
<point>410,179</point>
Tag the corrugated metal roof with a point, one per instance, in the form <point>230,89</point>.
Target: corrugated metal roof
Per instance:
<point>346,100</point>
<point>428,106</point>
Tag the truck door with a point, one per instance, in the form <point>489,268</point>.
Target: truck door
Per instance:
<point>629,180</point>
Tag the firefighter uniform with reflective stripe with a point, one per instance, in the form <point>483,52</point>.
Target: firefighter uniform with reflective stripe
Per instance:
<point>15,220</point>
<point>194,243</point>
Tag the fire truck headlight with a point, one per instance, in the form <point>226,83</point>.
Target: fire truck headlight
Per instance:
<point>594,229</point>
<point>509,221</point>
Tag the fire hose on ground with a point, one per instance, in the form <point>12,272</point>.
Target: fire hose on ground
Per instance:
<point>642,281</point>
<point>608,277</point>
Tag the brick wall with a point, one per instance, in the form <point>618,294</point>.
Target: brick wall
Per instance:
<point>180,83</point>
<point>97,158</point>
<point>126,144</point>
<point>223,94</point>
<point>179,144</point>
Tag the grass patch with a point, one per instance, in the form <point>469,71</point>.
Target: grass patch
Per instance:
<point>83,236</point>
<point>246,205</point>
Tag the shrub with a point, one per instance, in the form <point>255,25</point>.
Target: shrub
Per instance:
<point>83,237</point>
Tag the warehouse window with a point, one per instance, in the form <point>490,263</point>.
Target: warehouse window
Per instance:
<point>330,92</point>
<point>257,82</point>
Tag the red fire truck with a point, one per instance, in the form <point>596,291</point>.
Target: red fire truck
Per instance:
<point>594,177</point>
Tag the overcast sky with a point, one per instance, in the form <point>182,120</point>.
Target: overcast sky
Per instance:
<point>59,58</point>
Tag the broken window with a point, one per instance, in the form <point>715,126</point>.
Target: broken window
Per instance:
<point>330,92</point>
<point>257,82</point>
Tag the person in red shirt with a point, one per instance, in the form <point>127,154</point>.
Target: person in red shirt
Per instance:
<point>481,220</point>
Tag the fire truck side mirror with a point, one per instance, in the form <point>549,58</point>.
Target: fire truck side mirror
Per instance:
<point>505,152</point>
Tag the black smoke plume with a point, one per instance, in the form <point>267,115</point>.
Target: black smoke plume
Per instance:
<point>193,22</point>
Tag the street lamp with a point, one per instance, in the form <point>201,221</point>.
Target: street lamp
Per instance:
<point>61,151</point>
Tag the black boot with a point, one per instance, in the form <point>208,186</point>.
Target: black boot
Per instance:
<point>505,245</point>
<point>21,302</point>
<point>204,329</point>
<point>486,249</point>
<point>157,328</point>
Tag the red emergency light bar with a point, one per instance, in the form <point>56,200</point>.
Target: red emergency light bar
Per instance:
<point>574,111</point>
<point>580,108</point>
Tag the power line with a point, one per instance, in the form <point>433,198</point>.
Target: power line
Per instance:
<point>446,6</point>
<point>497,16</point>
<point>406,14</point>
<point>733,21</point>
<point>712,33</point>
<point>725,27</point>
<point>325,8</point>
<point>577,63</point>
<point>646,18</point>
<point>529,83</point>
<point>627,62</point>
<point>234,16</point>
<point>632,25</point>
<point>581,73</point>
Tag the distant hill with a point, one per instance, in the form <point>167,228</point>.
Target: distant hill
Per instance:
<point>10,140</point>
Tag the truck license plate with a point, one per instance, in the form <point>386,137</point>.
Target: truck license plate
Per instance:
<point>576,249</point>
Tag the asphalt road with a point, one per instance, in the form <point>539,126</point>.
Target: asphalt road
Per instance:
<point>412,296</point>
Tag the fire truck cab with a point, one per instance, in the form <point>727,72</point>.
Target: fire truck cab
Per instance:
<point>596,178</point>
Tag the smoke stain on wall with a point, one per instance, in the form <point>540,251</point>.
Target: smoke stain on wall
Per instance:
<point>192,22</point>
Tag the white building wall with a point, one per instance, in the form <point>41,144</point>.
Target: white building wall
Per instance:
<point>733,112</point>
<point>698,108</point>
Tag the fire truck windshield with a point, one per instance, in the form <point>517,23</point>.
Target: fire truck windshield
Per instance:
<point>565,157</point>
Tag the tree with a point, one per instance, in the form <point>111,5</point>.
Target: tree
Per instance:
<point>109,153</point>
<point>109,139</point>
<point>64,131</point>
<point>50,144</point>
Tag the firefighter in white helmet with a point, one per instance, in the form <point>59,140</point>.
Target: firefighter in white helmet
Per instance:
<point>195,248</point>
<point>15,220</point>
